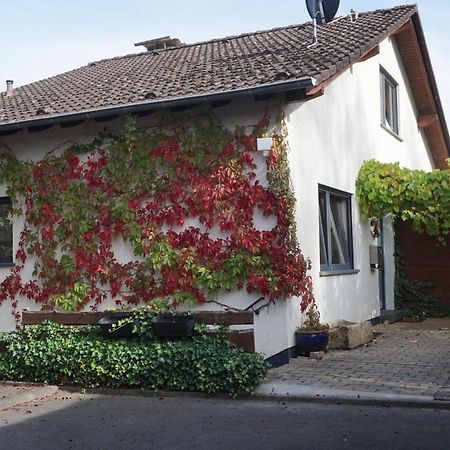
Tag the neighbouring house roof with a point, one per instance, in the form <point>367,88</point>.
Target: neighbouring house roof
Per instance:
<point>261,62</point>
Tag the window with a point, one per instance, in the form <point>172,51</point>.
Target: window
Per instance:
<point>389,103</point>
<point>6,254</point>
<point>336,247</point>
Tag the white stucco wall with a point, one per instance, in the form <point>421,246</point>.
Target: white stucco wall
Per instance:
<point>247,113</point>
<point>330,137</point>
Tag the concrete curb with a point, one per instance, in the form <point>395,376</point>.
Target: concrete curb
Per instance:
<point>149,393</point>
<point>15,394</point>
<point>308,393</point>
<point>286,392</point>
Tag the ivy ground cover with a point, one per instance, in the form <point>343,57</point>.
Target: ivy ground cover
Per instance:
<point>78,356</point>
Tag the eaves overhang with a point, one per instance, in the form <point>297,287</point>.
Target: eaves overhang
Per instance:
<point>432,81</point>
<point>306,82</point>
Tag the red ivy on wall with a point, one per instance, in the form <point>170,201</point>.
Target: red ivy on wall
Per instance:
<point>145,189</point>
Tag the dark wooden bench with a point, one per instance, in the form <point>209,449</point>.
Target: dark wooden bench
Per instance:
<point>241,338</point>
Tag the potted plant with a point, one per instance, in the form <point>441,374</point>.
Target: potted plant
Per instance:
<point>173,325</point>
<point>117,324</point>
<point>169,323</point>
<point>312,336</point>
<point>128,323</point>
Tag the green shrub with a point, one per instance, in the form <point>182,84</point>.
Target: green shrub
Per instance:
<point>414,298</point>
<point>55,354</point>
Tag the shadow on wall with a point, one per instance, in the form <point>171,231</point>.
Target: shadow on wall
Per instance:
<point>346,133</point>
<point>348,297</point>
<point>353,297</point>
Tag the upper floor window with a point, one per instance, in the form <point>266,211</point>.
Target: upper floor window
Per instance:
<point>336,246</point>
<point>389,103</point>
<point>6,239</point>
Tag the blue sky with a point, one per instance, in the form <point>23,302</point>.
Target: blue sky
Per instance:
<point>47,37</point>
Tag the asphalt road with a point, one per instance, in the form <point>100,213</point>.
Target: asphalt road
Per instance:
<point>111,422</point>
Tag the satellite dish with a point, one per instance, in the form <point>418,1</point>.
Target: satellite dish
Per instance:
<point>322,10</point>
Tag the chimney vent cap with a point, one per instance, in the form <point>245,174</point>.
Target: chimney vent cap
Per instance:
<point>9,88</point>
<point>160,43</point>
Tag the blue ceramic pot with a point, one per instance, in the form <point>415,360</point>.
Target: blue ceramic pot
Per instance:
<point>311,341</point>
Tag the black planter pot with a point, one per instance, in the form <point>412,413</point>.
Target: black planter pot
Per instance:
<point>311,341</point>
<point>173,326</point>
<point>110,329</point>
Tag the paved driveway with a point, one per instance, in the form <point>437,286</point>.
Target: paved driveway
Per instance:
<point>406,359</point>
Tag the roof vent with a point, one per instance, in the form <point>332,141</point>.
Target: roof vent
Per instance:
<point>354,15</point>
<point>9,88</point>
<point>41,111</point>
<point>282,75</point>
<point>160,43</point>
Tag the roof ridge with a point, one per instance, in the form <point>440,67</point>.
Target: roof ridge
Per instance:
<point>157,52</point>
<point>238,36</point>
<point>241,35</point>
<point>194,44</point>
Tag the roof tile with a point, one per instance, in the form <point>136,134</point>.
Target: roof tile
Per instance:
<point>233,62</point>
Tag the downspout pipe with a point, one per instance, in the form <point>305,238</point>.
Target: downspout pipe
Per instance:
<point>273,88</point>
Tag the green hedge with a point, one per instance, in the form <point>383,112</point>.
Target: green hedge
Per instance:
<point>56,354</point>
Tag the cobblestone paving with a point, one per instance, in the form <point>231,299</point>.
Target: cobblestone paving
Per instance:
<point>414,362</point>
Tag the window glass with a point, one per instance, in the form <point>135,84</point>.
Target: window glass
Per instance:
<point>388,105</point>
<point>335,229</point>
<point>6,255</point>
<point>340,251</point>
<point>323,228</point>
<point>389,97</point>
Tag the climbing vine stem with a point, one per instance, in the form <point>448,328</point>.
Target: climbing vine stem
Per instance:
<point>183,198</point>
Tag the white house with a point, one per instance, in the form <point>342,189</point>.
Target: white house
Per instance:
<point>366,91</point>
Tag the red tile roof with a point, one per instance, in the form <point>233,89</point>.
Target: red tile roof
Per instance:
<point>273,60</point>
<point>222,65</point>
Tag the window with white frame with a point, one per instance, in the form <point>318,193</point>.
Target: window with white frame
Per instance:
<point>6,239</point>
<point>389,102</point>
<point>336,246</point>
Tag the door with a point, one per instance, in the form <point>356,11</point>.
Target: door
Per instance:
<point>381,272</point>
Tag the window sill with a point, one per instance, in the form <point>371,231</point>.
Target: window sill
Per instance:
<point>335,273</point>
<point>392,133</point>
<point>7,264</point>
